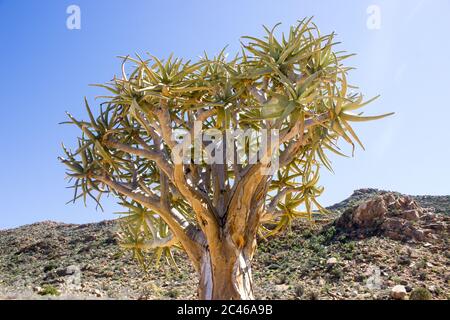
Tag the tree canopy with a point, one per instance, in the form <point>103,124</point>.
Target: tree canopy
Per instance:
<point>295,84</point>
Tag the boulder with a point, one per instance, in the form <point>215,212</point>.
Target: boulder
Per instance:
<point>398,292</point>
<point>68,271</point>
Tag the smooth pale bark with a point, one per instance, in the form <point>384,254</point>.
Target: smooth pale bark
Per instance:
<point>225,274</point>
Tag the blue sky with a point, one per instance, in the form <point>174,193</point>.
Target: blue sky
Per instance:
<point>46,69</point>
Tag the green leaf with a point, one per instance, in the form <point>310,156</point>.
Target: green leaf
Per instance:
<point>355,118</point>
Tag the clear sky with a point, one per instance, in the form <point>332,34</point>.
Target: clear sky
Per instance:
<point>46,69</point>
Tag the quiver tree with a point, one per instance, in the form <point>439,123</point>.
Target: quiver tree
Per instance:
<point>295,86</point>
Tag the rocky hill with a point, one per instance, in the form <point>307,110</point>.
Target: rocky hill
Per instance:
<point>375,245</point>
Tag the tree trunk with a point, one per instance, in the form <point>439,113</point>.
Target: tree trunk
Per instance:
<point>225,275</point>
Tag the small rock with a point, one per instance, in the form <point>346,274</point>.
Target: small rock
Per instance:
<point>332,261</point>
<point>398,292</point>
<point>97,293</point>
<point>108,274</point>
<point>37,289</point>
<point>70,270</point>
<point>90,238</point>
<point>281,287</point>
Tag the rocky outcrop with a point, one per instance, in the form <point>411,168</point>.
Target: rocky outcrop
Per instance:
<point>394,216</point>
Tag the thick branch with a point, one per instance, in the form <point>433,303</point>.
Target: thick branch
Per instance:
<point>149,201</point>
<point>176,222</point>
<point>165,123</point>
<point>156,156</point>
<point>203,209</point>
<point>153,244</point>
<point>299,128</point>
<point>239,207</point>
<point>288,155</point>
<point>257,94</point>
<point>200,202</point>
<point>270,216</point>
<point>276,199</point>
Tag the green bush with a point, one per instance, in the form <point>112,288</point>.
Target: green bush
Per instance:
<point>329,234</point>
<point>173,293</point>
<point>49,290</point>
<point>299,291</point>
<point>420,294</point>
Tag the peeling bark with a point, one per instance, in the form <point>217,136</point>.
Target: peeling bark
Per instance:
<point>226,276</point>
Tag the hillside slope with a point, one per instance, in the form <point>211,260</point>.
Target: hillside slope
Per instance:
<point>309,261</point>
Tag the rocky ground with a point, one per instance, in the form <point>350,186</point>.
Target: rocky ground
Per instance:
<point>375,245</point>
